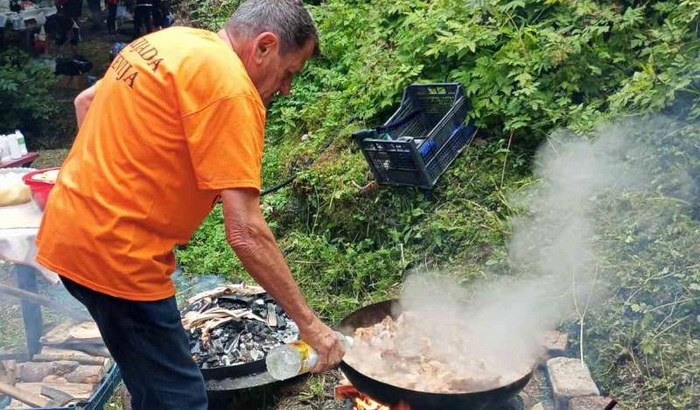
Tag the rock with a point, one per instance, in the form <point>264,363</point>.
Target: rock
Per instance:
<point>333,405</point>
<point>589,403</point>
<point>569,378</point>
<point>538,406</point>
<point>555,342</point>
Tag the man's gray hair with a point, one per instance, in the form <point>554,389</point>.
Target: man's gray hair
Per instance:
<point>287,19</point>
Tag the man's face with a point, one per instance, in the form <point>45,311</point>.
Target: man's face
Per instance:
<point>276,72</point>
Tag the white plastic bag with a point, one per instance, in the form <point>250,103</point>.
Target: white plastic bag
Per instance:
<point>121,12</point>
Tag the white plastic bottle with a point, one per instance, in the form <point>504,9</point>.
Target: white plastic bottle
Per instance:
<point>22,143</point>
<point>4,149</point>
<point>292,359</point>
<point>13,144</point>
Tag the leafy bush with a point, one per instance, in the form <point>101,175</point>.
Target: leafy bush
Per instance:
<point>529,67</point>
<point>25,92</point>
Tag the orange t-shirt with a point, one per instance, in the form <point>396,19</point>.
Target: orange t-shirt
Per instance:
<point>175,120</point>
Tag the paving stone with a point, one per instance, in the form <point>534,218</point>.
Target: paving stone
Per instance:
<point>552,344</point>
<point>589,403</point>
<point>569,378</point>
<point>555,342</point>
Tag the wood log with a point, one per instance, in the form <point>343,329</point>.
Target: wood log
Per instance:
<point>33,372</point>
<point>86,374</point>
<point>8,372</point>
<point>52,378</point>
<point>77,390</point>
<point>26,396</point>
<point>64,333</point>
<point>81,359</point>
<point>89,348</point>
<point>230,289</point>
<point>73,355</point>
<point>36,298</point>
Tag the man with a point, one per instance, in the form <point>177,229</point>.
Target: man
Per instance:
<point>143,17</point>
<point>175,125</point>
<point>111,6</point>
<point>63,27</point>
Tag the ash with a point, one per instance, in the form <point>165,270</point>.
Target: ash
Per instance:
<point>234,325</point>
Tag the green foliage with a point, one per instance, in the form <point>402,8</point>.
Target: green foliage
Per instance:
<point>646,339</point>
<point>528,67</point>
<point>25,92</point>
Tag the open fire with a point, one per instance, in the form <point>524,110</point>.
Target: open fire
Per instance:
<point>356,400</point>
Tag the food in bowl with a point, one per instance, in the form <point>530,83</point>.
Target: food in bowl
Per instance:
<point>46,176</point>
<point>397,352</point>
<point>40,183</point>
<point>12,190</point>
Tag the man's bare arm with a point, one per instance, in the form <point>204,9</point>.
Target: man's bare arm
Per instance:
<point>82,103</point>
<point>255,245</point>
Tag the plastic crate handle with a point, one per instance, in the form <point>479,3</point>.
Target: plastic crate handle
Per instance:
<point>393,125</point>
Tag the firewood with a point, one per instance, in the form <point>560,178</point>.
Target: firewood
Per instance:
<point>238,289</point>
<point>86,374</point>
<point>32,372</point>
<point>64,333</point>
<point>52,378</point>
<point>74,355</point>
<point>87,359</point>
<point>35,372</point>
<point>77,390</point>
<point>89,348</point>
<point>194,320</point>
<point>32,398</point>
<point>8,372</point>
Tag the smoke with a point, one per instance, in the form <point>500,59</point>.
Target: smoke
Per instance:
<point>557,249</point>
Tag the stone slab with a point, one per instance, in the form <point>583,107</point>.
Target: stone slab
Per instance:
<point>569,378</point>
<point>555,342</point>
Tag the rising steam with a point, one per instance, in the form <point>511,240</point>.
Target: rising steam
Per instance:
<point>555,251</point>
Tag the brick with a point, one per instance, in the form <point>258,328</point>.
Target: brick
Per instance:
<point>569,378</point>
<point>555,343</point>
<point>589,403</point>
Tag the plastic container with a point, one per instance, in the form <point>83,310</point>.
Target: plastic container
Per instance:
<point>40,189</point>
<point>13,145</point>
<point>21,142</point>
<point>292,359</point>
<point>4,149</point>
<point>423,137</point>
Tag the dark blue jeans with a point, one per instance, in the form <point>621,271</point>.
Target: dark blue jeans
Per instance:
<point>150,346</point>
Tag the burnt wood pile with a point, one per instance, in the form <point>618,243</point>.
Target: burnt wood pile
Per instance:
<point>235,324</point>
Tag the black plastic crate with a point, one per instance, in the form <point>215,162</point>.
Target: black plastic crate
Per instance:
<point>423,137</point>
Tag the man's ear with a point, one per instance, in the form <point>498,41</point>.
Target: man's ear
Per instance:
<point>266,44</point>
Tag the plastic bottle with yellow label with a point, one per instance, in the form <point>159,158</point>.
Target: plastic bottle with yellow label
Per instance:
<point>292,359</point>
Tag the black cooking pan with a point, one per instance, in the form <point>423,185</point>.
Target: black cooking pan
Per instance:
<point>241,370</point>
<point>393,395</point>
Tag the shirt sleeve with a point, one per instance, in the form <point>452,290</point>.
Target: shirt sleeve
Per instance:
<point>225,141</point>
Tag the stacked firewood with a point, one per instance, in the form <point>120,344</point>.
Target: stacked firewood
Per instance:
<point>70,366</point>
